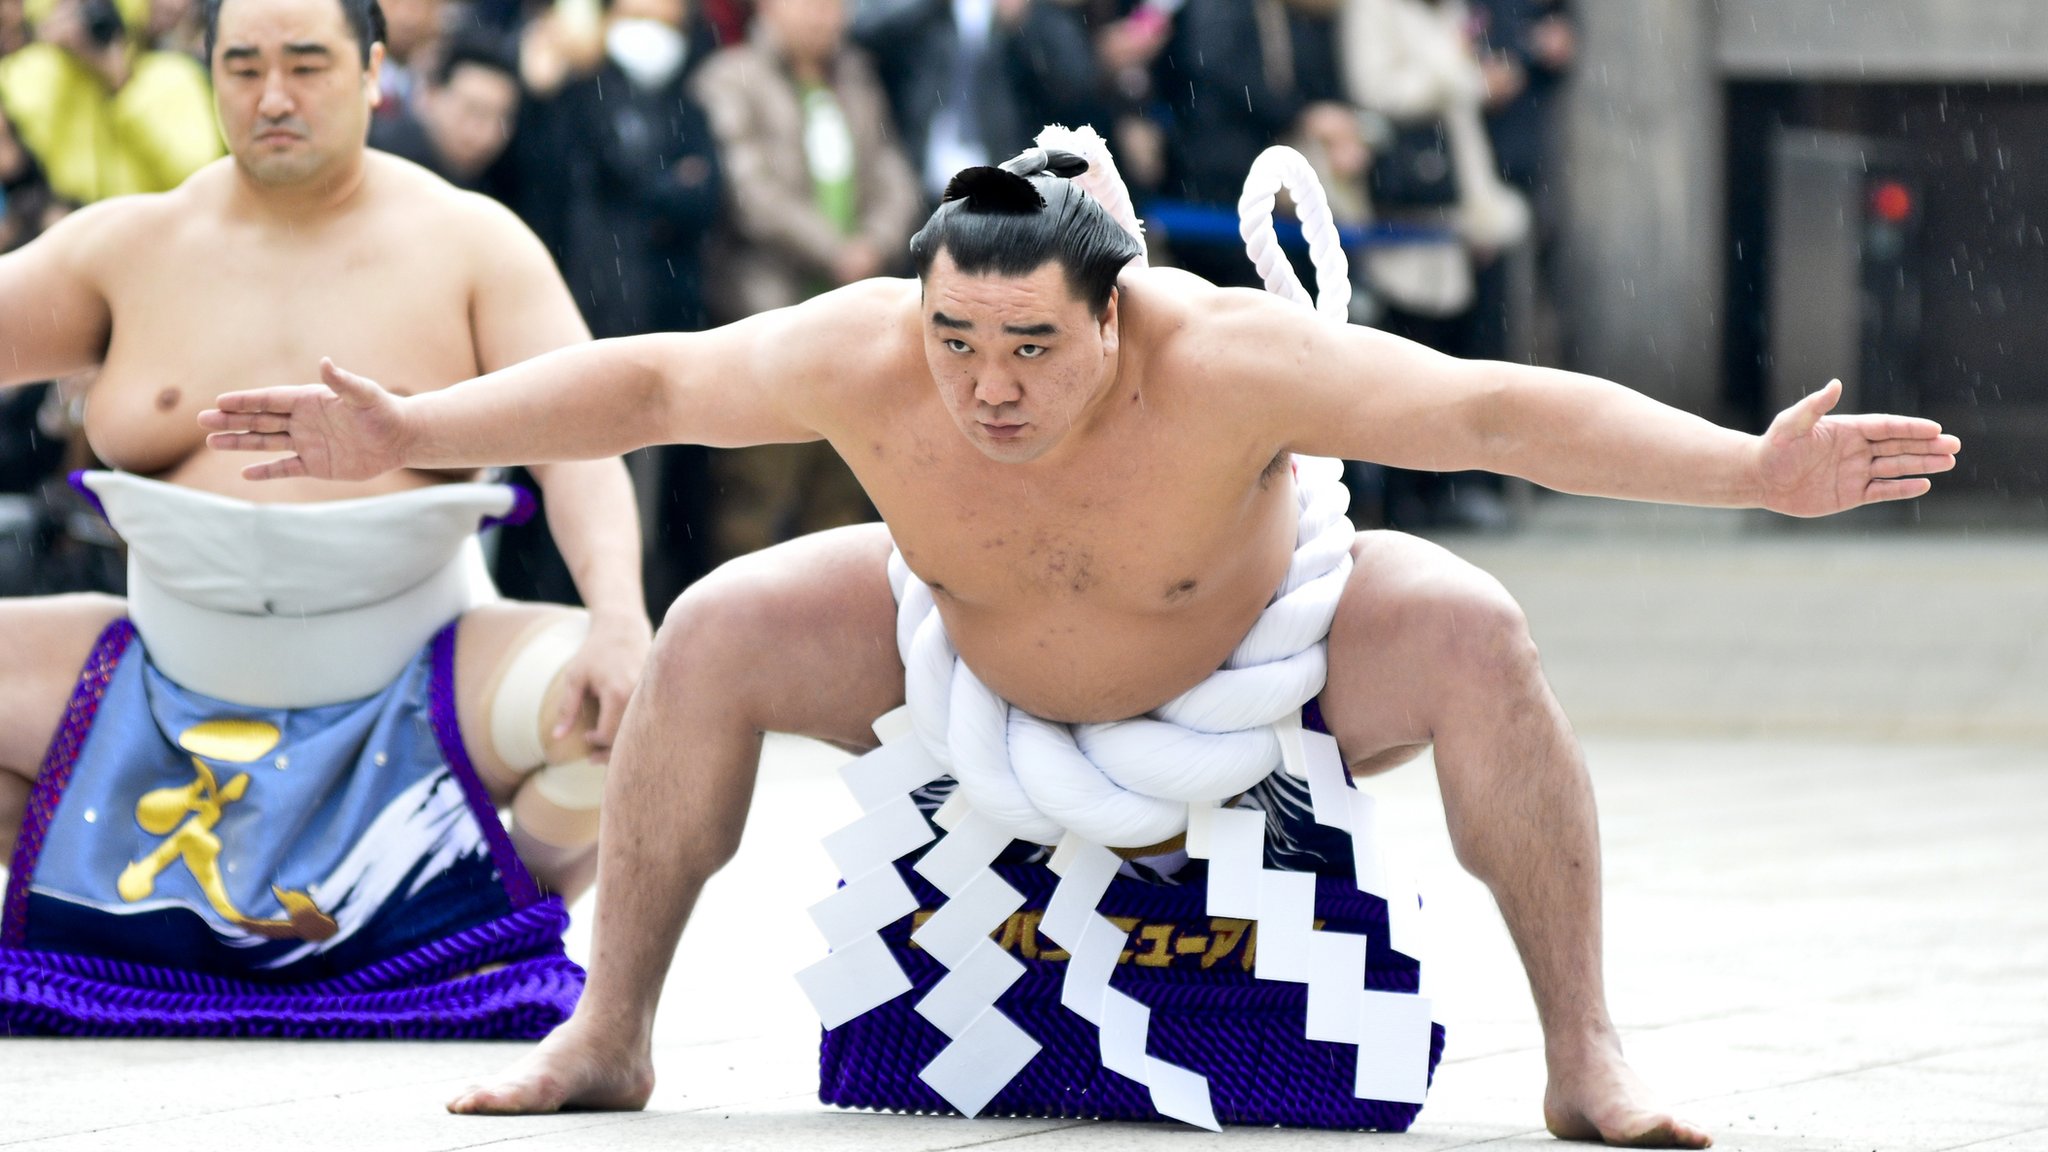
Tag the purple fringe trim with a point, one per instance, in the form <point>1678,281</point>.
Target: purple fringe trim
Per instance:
<point>1244,1034</point>
<point>520,887</point>
<point>77,481</point>
<point>523,507</point>
<point>432,992</point>
<point>58,762</point>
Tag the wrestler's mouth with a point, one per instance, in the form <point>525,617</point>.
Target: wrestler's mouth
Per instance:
<point>278,136</point>
<point>1004,431</point>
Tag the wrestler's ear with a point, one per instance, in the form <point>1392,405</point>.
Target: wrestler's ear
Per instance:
<point>373,72</point>
<point>1111,332</point>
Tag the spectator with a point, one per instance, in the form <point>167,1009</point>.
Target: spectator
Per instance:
<point>619,173</point>
<point>412,44</point>
<point>178,26</point>
<point>1240,75</point>
<point>1416,64</point>
<point>14,32</point>
<point>462,118</point>
<point>1529,47</point>
<point>26,207</point>
<point>820,195</point>
<point>972,81</point>
<point>103,114</point>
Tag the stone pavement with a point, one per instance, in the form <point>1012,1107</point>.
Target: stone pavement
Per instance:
<point>1823,769</point>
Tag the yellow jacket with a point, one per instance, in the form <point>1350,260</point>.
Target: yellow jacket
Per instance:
<point>157,130</point>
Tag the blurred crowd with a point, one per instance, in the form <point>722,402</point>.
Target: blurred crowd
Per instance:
<point>691,162</point>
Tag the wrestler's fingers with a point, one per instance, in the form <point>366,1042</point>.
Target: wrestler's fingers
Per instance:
<point>282,400</point>
<point>1910,465</point>
<point>286,468</point>
<point>1880,427</point>
<point>611,707</point>
<point>1812,407</point>
<point>575,686</point>
<point>1927,446</point>
<point>249,441</point>
<point>1878,490</point>
<point>356,391</point>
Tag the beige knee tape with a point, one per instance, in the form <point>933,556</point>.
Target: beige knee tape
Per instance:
<point>577,786</point>
<point>518,727</point>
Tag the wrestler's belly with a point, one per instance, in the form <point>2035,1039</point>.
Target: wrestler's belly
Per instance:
<point>1080,666</point>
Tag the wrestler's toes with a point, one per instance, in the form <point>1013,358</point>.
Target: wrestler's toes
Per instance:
<point>1601,1099</point>
<point>1636,1130</point>
<point>558,1077</point>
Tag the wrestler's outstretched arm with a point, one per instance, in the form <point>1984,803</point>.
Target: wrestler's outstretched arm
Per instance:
<point>1367,395</point>
<point>728,387</point>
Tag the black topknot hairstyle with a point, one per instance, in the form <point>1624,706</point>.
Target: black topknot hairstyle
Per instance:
<point>1011,219</point>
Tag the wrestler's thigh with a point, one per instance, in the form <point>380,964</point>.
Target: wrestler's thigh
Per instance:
<point>1414,626</point>
<point>48,639</point>
<point>799,638</point>
<point>486,640</point>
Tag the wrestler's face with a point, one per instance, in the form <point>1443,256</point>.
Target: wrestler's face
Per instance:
<point>1020,361</point>
<point>293,91</point>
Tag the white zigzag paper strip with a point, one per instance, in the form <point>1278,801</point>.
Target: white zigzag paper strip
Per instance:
<point>1094,945</point>
<point>860,974</point>
<point>985,1048</point>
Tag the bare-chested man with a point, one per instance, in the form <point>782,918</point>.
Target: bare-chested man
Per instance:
<point>302,244</point>
<point>1086,463</point>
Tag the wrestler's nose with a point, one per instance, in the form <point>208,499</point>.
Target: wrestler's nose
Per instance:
<point>997,390</point>
<point>275,101</point>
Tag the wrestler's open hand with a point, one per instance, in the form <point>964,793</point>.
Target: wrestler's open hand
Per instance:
<point>1812,464</point>
<point>600,678</point>
<point>346,428</point>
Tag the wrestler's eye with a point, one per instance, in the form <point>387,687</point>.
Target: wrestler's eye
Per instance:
<point>1031,351</point>
<point>957,346</point>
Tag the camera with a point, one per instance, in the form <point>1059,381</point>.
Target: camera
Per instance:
<point>103,22</point>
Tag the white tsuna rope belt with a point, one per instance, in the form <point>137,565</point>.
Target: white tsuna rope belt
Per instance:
<point>1125,784</point>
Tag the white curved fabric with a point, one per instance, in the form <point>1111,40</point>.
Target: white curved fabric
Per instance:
<point>1127,784</point>
<point>296,605</point>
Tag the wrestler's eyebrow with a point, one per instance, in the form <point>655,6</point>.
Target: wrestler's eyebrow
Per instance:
<point>304,49</point>
<point>945,321</point>
<point>230,55</point>
<point>1030,329</point>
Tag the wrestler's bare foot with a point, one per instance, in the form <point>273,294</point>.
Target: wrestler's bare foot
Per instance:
<point>568,1070</point>
<point>1594,1095</point>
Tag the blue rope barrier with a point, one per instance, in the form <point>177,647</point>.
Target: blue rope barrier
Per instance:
<point>1185,223</point>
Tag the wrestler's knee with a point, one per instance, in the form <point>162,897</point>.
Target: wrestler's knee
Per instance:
<point>720,625</point>
<point>1438,614</point>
